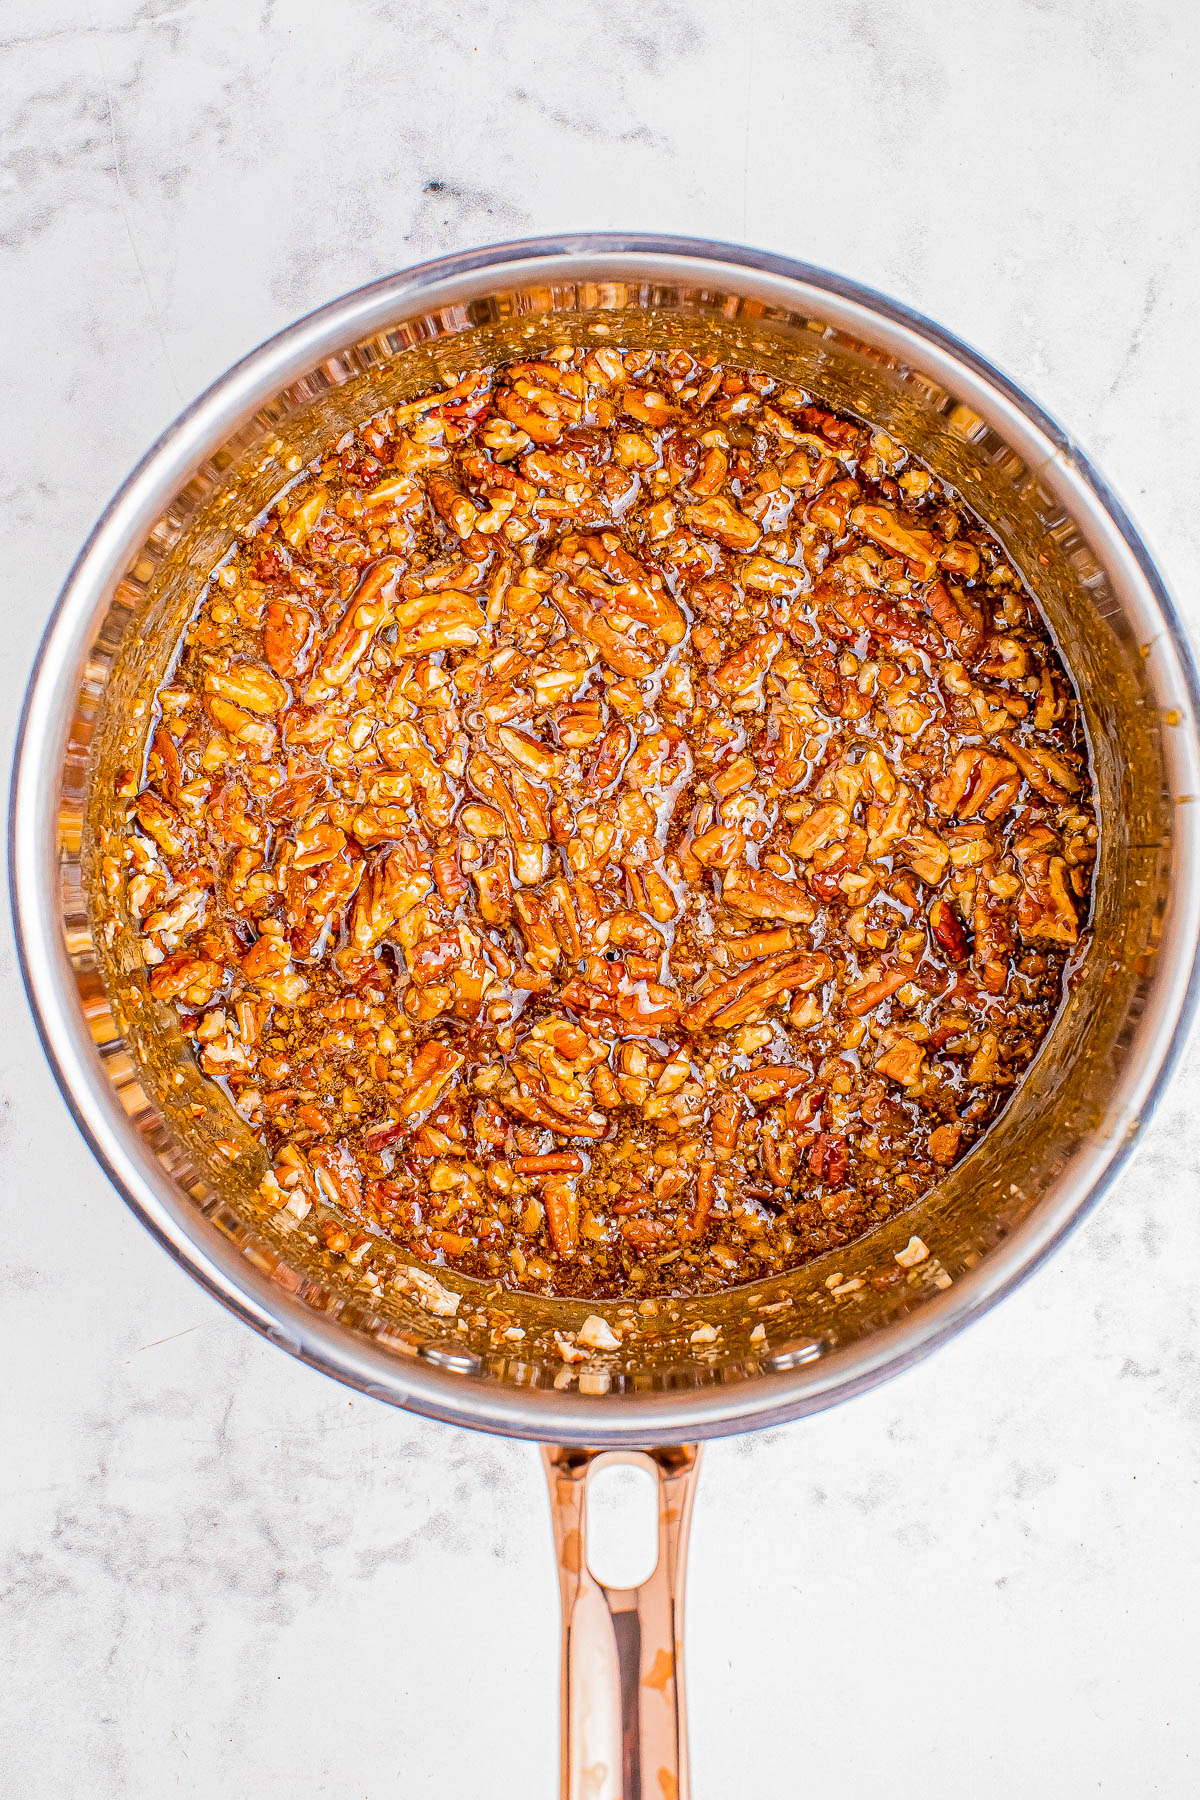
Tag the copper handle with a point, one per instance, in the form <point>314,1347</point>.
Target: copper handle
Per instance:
<point>624,1722</point>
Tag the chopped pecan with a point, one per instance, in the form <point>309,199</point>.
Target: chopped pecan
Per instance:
<point>369,608</point>
<point>560,1196</point>
<point>248,687</point>
<point>947,928</point>
<point>522,803</point>
<point>824,825</point>
<point>754,989</point>
<point>193,978</point>
<point>760,895</point>
<point>744,670</point>
<point>865,999</point>
<point>944,1141</point>
<point>433,1069</point>
<point>903,1060</point>
<point>287,638</point>
<point>913,545</point>
<point>720,519</point>
<point>829,1158</point>
<point>1048,773</point>
<point>163,823</point>
<point>977,782</point>
<point>1045,909</point>
<point>782,580</point>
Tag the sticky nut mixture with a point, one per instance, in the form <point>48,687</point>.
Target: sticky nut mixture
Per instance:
<point>614,825</point>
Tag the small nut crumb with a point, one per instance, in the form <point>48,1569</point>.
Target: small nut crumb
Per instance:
<point>942,1280</point>
<point>597,1334</point>
<point>271,1191</point>
<point>914,1252</point>
<point>360,1244</point>
<point>568,1349</point>
<point>759,1335</point>
<point>832,1281</point>
<point>515,1333</point>
<point>847,1287</point>
<point>704,1334</point>
<point>428,1292</point>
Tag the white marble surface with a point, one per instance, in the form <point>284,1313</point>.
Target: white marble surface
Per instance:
<point>218,1573</point>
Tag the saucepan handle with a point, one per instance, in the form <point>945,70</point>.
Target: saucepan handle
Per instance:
<point>624,1723</point>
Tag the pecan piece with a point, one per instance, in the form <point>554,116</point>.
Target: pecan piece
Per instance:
<point>433,1069</point>
<point>1044,771</point>
<point>618,650</point>
<point>1045,908</point>
<point>446,619</point>
<point>550,1162</point>
<point>535,758</point>
<point>743,672</point>
<point>824,825</point>
<point>297,525</point>
<point>335,888</point>
<point>776,1080</point>
<point>955,616</point>
<point>662,759</point>
<point>745,995</point>
<point>977,782</point>
<point>867,998</point>
<point>947,928</point>
<point>252,689</point>
<point>606,764</point>
<point>531,412</point>
<point>386,897</point>
<point>520,801</point>
<point>368,609</point>
<point>903,1061</point>
<point>829,1158</point>
<point>761,895</point>
<point>648,406</point>
<point>163,824</point>
<point>458,510</point>
<point>560,1196</point>
<point>776,578</point>
<point>911,544</point>
<point>268,955</point>
<point>241,726</point>
<point>702,1204</point>
<point>719,519</point>
<point>944,1141</point>
<point>718,848</point>
<point>924,852</point>
<point>183,975</point>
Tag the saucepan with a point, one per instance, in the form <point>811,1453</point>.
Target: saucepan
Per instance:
<point>655,1380</point>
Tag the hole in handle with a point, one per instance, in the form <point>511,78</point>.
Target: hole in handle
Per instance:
<point>622,1523</point>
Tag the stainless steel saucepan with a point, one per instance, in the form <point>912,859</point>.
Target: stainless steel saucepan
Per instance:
<point>759,1354</point>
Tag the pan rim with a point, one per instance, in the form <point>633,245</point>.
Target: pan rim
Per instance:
<point>220,1267</point>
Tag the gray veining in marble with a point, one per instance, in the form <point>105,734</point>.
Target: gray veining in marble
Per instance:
<point>218,1573</point>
